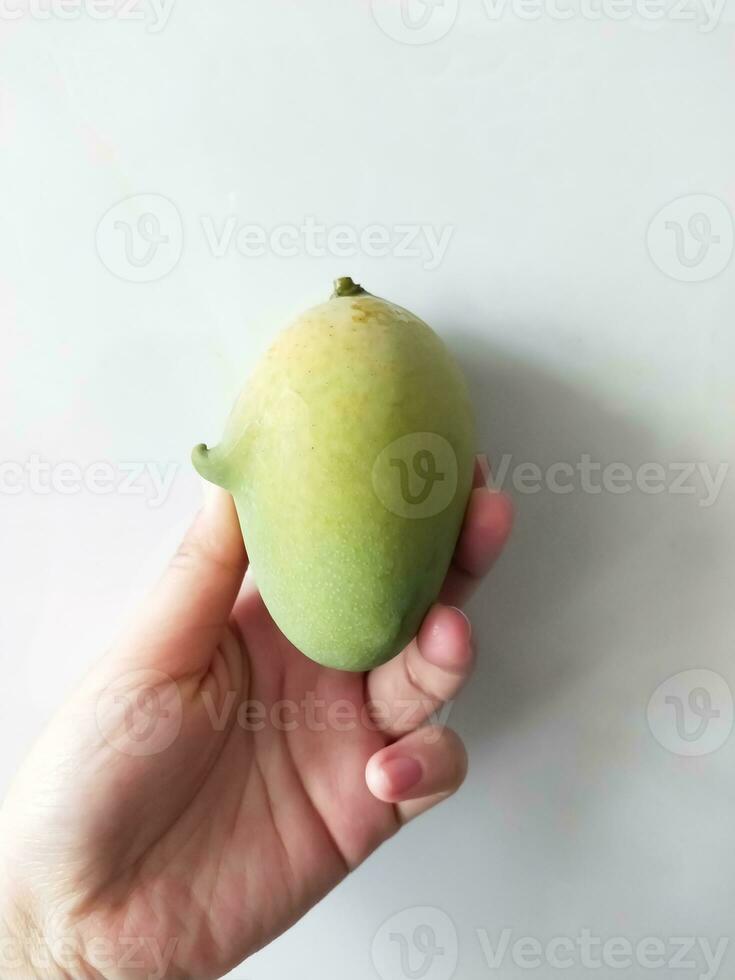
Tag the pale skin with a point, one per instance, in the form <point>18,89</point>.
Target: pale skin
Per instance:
<point>184,859</point>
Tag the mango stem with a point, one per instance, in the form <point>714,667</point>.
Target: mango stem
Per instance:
<point>344,286</point>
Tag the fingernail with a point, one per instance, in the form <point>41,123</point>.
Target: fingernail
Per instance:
<point>400,775</point>
<point>464,616</point>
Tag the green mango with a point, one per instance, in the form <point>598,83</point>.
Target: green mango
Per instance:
<point>350,458</point>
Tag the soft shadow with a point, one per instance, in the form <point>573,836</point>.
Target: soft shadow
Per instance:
<point>565,547</point>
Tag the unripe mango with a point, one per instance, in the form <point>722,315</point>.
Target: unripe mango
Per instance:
<point>350,456</point>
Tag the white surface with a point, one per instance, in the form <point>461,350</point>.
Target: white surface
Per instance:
<point>548,146</point>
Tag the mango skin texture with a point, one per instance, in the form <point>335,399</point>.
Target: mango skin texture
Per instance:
<point>350,458</point>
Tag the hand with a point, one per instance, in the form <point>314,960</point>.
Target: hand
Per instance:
<point>208,784</point>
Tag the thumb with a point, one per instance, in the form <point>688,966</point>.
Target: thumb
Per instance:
<point>180,624</point>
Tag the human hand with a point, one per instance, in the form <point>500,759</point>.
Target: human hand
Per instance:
<point>208,784</point>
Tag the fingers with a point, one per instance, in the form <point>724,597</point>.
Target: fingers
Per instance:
<point>430,671</point>
<point>486,528</point>
<point>181,623</point>
<point>433,668</point>
<point>418,771</point>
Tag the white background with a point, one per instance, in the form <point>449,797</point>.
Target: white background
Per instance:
<point>547,146</point>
